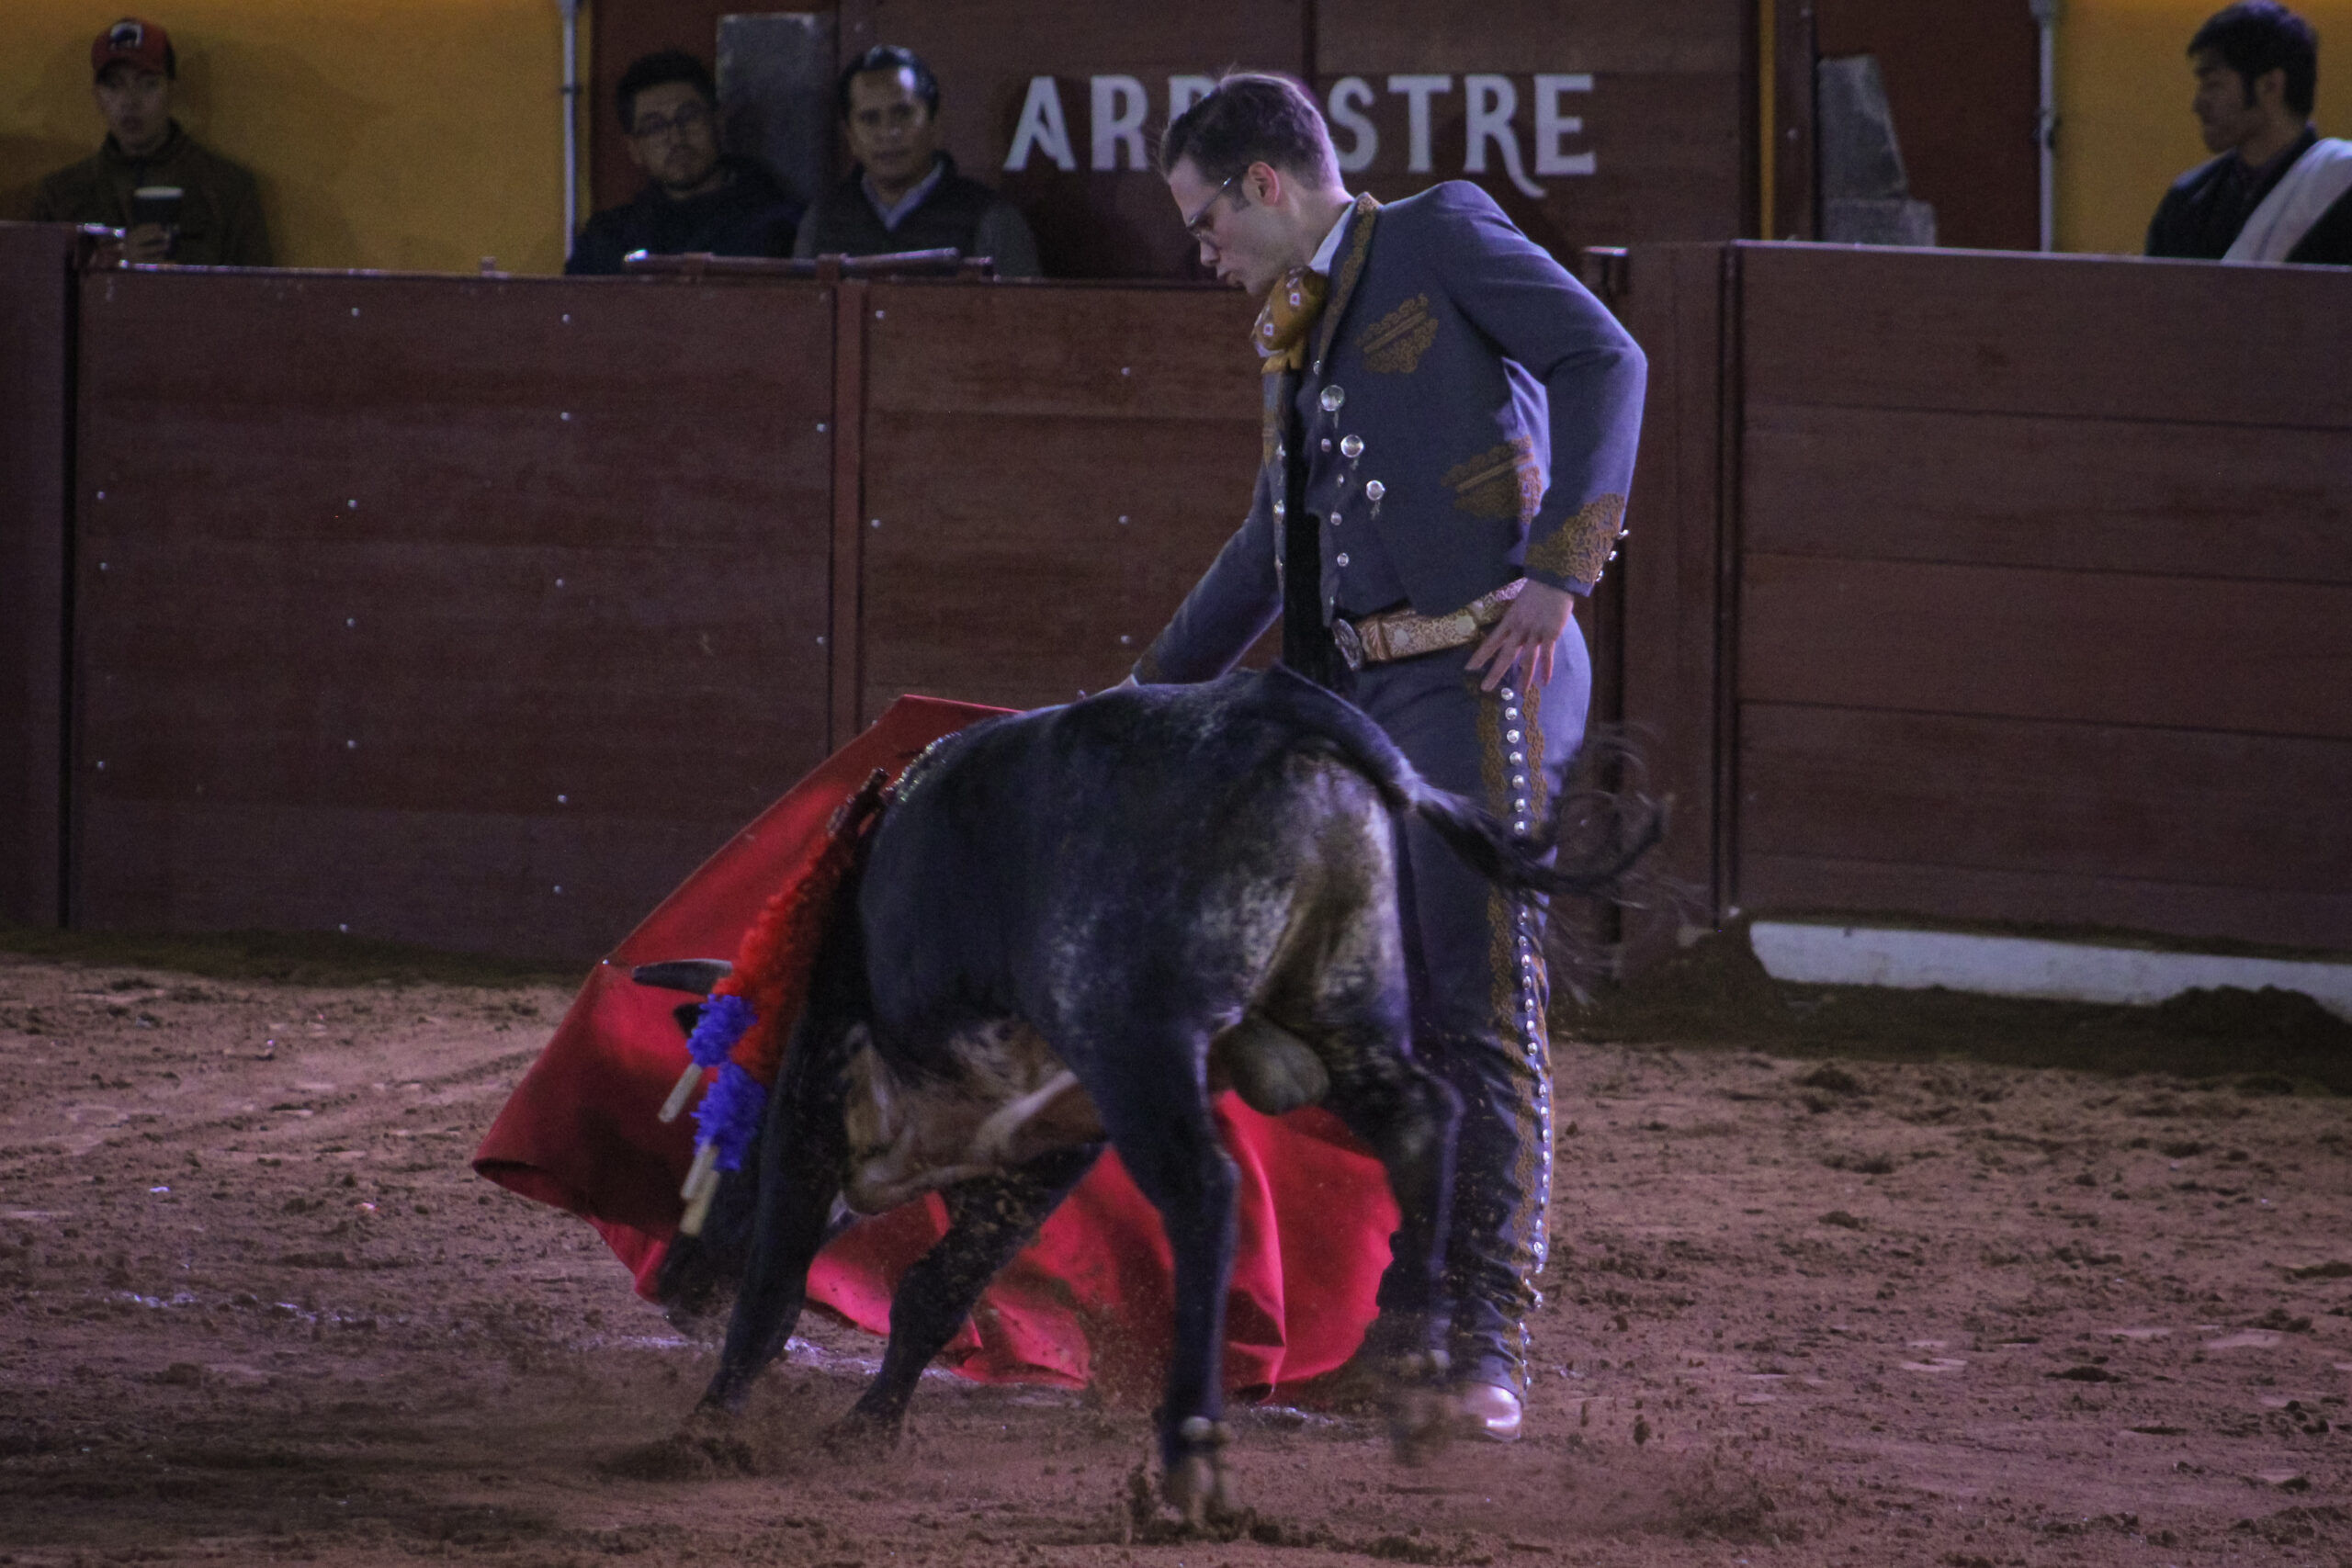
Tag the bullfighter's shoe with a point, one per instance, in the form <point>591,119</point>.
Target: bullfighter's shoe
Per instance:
<point>1490,1411</point>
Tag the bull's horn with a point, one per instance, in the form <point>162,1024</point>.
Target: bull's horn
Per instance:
<point>696,975</point>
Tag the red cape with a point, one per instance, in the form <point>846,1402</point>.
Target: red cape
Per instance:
<point>1089,1301</point>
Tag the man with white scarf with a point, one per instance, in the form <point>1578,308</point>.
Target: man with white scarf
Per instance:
<point>2279,191</point>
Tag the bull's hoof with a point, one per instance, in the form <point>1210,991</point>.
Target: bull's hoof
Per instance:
<point>1197,1490</point>
<point>1195,1482</point>
<point>857,1436</point>
<point>723,1399</point>
<point>1422,1422</point>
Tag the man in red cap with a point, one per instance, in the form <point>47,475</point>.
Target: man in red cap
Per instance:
<point>176,200</point>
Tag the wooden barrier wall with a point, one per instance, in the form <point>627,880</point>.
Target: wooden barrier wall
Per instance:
<point>37,282</point>
<point>1999,588</point>
<point>476,611</point>
<point>454,611</point>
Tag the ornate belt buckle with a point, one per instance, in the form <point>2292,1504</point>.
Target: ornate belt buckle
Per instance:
<point>1350,645</point>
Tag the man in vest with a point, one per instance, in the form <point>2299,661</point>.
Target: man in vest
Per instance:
<point>2279,191</point>
<point>904,194</point>
<point>1449,425</point>
<point>174,199</point>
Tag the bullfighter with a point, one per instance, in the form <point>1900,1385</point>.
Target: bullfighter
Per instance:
<point>1449,428</point>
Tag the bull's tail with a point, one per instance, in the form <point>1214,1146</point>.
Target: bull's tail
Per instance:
<point>1595,864</point>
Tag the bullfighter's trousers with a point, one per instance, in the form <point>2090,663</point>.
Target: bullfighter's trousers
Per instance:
<point>1476,960</point>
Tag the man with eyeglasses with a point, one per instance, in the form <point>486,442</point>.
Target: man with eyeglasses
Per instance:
<point>904,193</point>
<point>1448,433</point>
<point>695,197</point>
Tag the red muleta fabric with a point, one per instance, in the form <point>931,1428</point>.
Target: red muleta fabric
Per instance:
<point>1089,1301</point>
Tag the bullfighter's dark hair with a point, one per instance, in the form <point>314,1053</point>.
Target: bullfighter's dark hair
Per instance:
<point>659,69</point>
<point>2254,38</point>
<point>892,58</point>
<point>1250,118</point>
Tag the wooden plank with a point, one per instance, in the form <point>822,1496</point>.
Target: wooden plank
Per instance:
<point>2262,657</point>
<point>2098,905</point>
<point>845,635</point>
<point>1052,468</point>
<point>1062,351</point>
<point>2091,337</point>
<point>35,335</point>
<point>2097,801</point>
<point>385,552</point>
<point>1667,567</point>
<point>482,882</point>
<point>2204,501</point>
<point>1023,561</point>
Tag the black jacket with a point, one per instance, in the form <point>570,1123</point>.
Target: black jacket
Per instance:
<point>2202,214</point>
<point>749,216</point>
<point>219,221</point>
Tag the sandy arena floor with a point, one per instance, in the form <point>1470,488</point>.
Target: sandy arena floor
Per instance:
<point>1813,1305</point>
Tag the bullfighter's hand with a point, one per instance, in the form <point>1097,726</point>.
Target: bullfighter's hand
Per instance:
<point>1530,631</point>
<point>147,243</point>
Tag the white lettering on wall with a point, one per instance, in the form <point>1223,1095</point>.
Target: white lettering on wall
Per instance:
<point>1550,125</point>
<point>1493,102</point>
<point>1184,92</point>
<point>1418,91</point>
<point>1041,128</point>
<point>1120,108</point>
<point>1347,93</point>
<point>1119,105</point>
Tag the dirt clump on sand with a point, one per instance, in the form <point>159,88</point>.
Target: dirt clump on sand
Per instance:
<point>1836,1278</point>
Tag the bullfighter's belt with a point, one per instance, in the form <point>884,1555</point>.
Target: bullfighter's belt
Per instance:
<point>1400,634</point>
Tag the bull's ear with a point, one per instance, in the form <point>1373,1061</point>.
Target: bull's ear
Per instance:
<point>696,975</point>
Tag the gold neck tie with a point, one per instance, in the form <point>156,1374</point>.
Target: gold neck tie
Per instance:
<point>1290,313</point>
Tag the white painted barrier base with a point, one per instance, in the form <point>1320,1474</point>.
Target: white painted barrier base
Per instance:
<point>2026,967</point>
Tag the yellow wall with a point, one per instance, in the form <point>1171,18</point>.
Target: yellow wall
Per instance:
<point>2124,130</point>
<point>418,135</point>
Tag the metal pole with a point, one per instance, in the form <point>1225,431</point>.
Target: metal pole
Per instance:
<point>2045,129</point>
<point>571,9</point>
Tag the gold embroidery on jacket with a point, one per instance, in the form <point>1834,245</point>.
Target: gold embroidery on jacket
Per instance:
<point>1579,547</point>
<point>1393,344</point>
<point>1502,481</point>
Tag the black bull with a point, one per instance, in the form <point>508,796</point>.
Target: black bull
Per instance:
<point>1070,927</point>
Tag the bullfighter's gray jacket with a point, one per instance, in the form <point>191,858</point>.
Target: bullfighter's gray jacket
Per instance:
<point>1467,415</point>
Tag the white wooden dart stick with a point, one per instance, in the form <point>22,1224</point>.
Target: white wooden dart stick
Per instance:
<point>676,1103</point>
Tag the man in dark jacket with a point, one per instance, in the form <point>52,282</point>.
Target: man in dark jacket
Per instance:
<point>214,217</point>
<point>1448,436</point>
<point>904,194</point>
<point>2279,191</point>
<point>695,197</point>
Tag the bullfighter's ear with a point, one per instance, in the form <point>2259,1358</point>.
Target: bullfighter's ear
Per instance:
<point>696,975</point>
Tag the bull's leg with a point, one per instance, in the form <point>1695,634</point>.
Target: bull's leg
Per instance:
<point>1156,1113</point>
<point>800,1174</point>
<point>989,1218</point>
<point>1409,1117</point>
